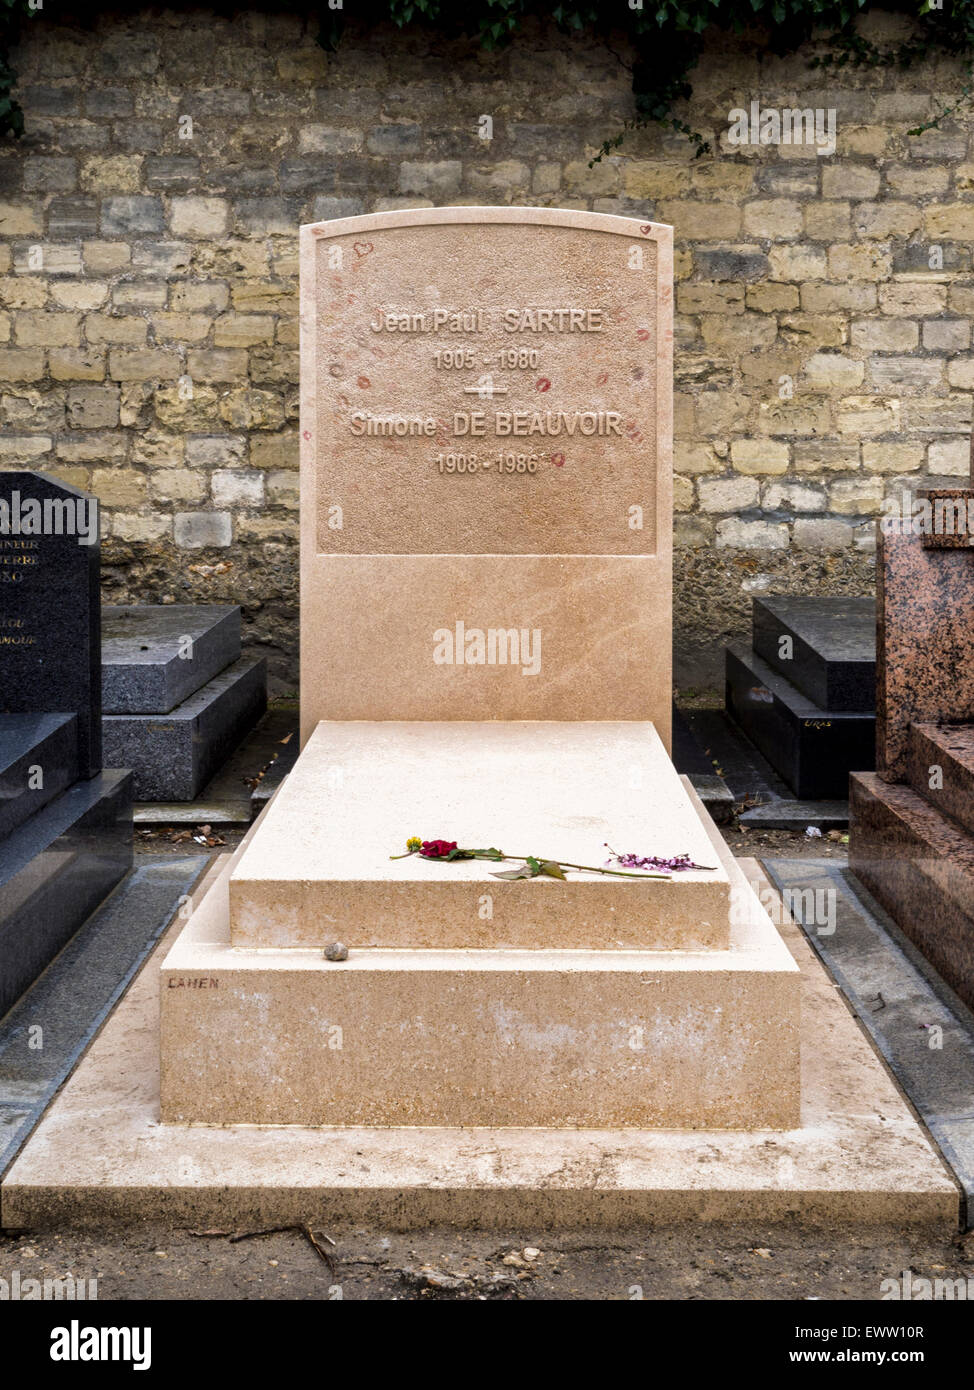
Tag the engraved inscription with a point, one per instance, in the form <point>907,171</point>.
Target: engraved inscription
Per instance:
<point>13,633</point>
<point>478,320</point>
<point>455,352</point>
<point>17,559</point>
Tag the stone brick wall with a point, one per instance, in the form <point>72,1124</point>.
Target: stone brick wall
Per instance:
<point>148,281</point>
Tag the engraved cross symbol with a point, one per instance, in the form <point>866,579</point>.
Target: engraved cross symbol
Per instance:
<point>485,388</point>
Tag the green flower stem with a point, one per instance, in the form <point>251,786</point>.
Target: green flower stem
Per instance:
<point>562,864</point>
<point>590,868</point>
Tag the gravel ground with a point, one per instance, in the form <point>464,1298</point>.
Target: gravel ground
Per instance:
<point>702,1262</point>
<point>785,844</point>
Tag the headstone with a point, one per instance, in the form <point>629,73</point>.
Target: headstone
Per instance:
<point>486,453</point>
<point>50,607</point>
<point>949,524</point>
<point>924,598</point>
<point>65,825</point>
<point>911,838</point>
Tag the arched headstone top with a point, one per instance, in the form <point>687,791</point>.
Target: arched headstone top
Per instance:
<point>486,381</point>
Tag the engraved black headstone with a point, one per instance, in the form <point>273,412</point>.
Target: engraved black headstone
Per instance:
<point>50,607</point>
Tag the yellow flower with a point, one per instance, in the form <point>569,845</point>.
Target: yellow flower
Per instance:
<point>414,843</point>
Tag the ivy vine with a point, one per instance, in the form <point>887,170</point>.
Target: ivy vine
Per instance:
<point>11,115</point>
<point>667,38</point>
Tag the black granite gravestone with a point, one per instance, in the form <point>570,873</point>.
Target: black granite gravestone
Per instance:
<point>50,608</point>
<point>65,825</point>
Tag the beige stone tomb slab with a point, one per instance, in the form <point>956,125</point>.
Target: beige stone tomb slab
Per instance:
<point>318,868</point>
<point>687,1038</point>
<point>100,1154</point>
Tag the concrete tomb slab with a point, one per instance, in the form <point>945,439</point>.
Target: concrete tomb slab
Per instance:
<point>100,1155</point>
<point>174,755</point>
<point>692,1038</point>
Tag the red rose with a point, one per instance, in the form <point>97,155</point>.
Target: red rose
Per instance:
<point>437,849</point>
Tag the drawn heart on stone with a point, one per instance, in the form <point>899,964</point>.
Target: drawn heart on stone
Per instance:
<point>646,228</point>
<point>362,248</point>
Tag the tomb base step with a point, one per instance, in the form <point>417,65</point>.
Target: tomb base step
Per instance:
<point>919,864</point>
<point>34,749</point>
<point>172,756</point>
<point>940,768</point>
<point>155,656</point>
<point>812,748</point>
<point>690,1039</point>
<point>54,871</point>
<point>100,1155</point>
<point>829,647</point>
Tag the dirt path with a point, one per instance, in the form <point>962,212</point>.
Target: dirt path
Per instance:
<point>702,1262</point>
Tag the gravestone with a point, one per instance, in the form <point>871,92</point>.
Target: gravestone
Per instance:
<point>50,609</point>
<point>911,830</point>
<point>485,657</point>
<point>486,404</point>
<point>486,634</point>
<point>65,825</point>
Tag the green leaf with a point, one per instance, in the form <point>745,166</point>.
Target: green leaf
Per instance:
<point>552,869</point>
<point>523,872</point>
